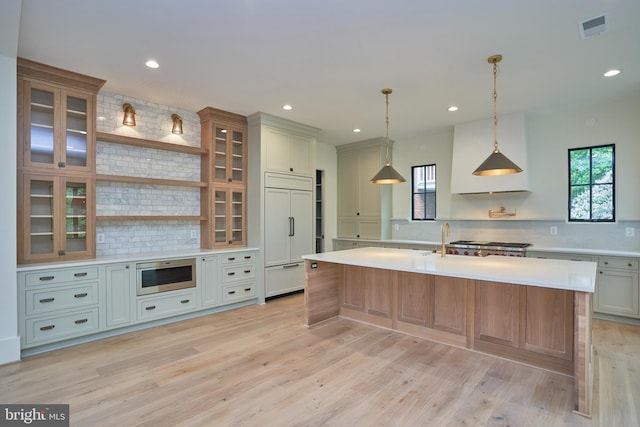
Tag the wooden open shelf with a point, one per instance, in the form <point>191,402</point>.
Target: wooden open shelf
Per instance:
<point>150,218</point>
<point>149,181</point>
<point>147,143</point>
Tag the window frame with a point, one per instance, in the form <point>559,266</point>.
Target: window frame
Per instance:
<point>413,193</point>
<point>592,185</point>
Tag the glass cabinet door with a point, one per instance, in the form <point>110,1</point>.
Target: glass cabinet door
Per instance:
<point>237,217</point>
<point>40,195</point>
<point>41,126</point>
<point>75,149</point>
<point>220,215</point>
<point>75,230</point>
<point>238,145</point>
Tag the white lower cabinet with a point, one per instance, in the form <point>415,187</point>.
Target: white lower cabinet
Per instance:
<point>66,303</point>
<point>119,294</point>
<point>284,278</point>
<point>209,281</point>
<point>57,304</point>
<point>617,286</point>
<point>165,304</point>
<point>42,330</point>
<point>238,277</point>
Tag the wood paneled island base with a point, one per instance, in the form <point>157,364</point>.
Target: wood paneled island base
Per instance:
<point>539,326</point>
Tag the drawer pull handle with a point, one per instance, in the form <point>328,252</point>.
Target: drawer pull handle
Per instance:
<point>231,259</point>
<point>43,278</point>
<point>290,265</point>
<point>231,292</point>
<point>247,289</point>
<point>151,307</point>
<point>47,328</point>
<point>231,274</point>
<point>45,300</point>
<point>82,295</point>
<point>184,301</point>
<point>80,274</point>
<point>247,271</point>
<point>247,257</point>
<point>81,321</point>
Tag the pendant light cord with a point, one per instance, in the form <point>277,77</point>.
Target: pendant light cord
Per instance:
<point>495,109</point>
<point>386,94</point>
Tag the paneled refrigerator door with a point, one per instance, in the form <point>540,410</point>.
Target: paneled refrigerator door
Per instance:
<point>277,226</point>
<point>301,209</point>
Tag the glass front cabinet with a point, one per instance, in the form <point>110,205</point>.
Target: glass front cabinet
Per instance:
<point>56,163</point>
<point>224,168</point>
<point>57,218</point>
<point>57,133</point>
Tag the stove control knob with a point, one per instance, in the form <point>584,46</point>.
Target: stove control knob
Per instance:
<point>476,253</point>
<point>466,252</point>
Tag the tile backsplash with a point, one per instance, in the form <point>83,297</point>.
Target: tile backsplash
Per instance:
<point>153,122</point>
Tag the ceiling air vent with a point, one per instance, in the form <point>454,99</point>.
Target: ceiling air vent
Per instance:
<point>593,27</point>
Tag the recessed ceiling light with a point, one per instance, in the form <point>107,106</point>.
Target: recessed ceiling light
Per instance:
<point>287,107</point>
<point>152,63</point>
<point>356,130</point>
<point>611,73</point>
<point>453,108</point>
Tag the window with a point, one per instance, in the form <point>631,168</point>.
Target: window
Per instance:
<point>592,184</point>
<point>423,192</point>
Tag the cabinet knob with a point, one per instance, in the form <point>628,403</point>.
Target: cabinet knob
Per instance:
<point>290,169</point>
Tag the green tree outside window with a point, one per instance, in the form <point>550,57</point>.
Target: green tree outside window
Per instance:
<point>592,184</point>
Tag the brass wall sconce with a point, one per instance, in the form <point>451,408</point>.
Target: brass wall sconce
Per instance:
<point>177,124</point>
<point>129,115</point>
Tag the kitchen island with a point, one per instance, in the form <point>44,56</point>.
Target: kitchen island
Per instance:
<point>530,310</point>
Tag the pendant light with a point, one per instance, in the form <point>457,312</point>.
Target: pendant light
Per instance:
<point>387,174</point>
<point>497,163</point>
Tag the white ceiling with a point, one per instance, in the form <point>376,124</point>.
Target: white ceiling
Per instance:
<point>331,58</point>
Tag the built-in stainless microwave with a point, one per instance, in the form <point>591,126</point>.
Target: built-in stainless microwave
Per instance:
<point>167,275</point>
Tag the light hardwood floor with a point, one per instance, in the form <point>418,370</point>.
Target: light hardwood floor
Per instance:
<point>259,366</point>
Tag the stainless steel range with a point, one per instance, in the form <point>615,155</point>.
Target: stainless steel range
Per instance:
<point>480,248</point>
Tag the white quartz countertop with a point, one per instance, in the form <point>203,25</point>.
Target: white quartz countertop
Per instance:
<point>547,273</point>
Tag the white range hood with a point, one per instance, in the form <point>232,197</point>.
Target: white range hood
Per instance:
<point>472,144</point>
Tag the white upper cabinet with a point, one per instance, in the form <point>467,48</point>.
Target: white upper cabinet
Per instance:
<point>290,153</point>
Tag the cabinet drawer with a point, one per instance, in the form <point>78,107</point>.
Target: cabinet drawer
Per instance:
<point>47,300</point>
<point>49,277</point>
<point>234,273</point>
<point>283,279</point>
<point>166,305</point>
<point>64,326</point>
<point>238,292</point>
<point>238,257</point>
<point>616,262</point>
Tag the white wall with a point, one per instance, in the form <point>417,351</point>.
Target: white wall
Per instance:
<point>549,135</point>
<point>9,340</point>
